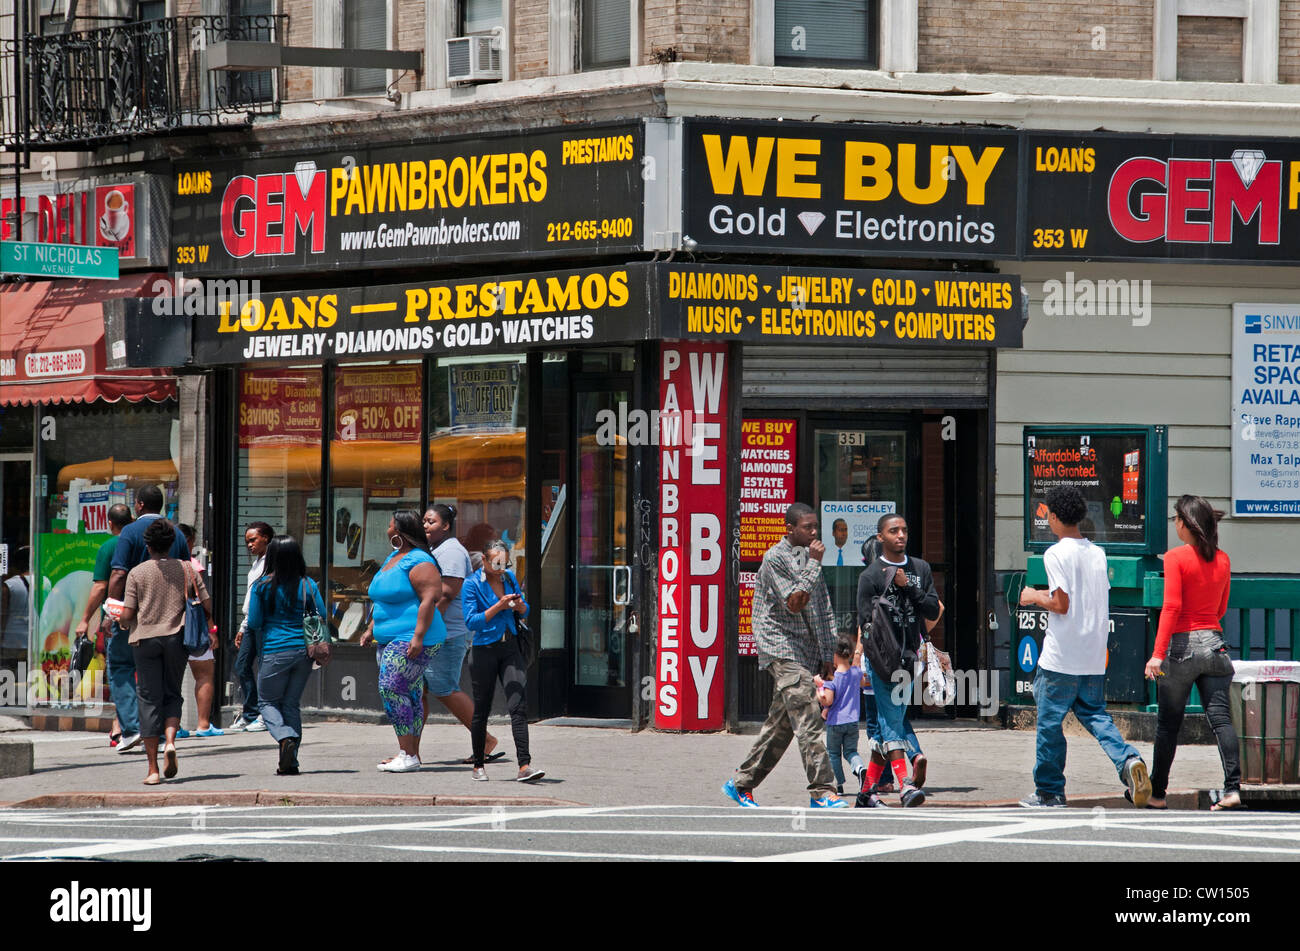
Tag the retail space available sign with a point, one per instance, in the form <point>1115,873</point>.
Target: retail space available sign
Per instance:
<point>848,189</point>
<point>793,305</point>
<point>472,315</point>
<point>1266,410</point>
<point>692,563</point>
<point>1091,195</point>
<point>767,471</point>
<point>481,198</point>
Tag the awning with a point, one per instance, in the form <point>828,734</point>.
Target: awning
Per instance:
<point>52,344</point>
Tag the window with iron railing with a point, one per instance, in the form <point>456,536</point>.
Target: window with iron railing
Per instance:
<point>248,19</point>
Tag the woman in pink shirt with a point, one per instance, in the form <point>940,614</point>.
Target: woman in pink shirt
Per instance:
<point>1189,646</point>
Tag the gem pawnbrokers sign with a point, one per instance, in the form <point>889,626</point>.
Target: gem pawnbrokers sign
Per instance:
<point>58,260</point>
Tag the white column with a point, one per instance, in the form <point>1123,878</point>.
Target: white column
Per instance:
<point>563,19</point>
<point>327,31</point>
<point>762,30</point>
<point>898,35</point>
<point>1259,48</point>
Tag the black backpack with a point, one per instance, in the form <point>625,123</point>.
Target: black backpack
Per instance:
<point>882,643</point>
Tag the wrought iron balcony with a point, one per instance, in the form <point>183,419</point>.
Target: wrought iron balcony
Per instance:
<point>142,78</point>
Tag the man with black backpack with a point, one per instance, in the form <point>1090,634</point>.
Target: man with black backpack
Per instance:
<point>896,596</point>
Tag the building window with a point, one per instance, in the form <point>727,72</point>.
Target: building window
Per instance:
<point>479,16</point>
<point>53,17</point>
<point>249,20</point>
<point>605,34</point>
<point>365,27</point>
<point>843,33</point>
<point>151,10</point>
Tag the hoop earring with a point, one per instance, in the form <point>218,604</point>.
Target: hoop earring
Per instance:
<point>395,541</point>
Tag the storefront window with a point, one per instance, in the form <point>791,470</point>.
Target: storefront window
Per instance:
<point>90,457</point>
<point>855,466</point>
<point>375,469</point>
<point>477,450</point>
<point>279,460</point>
<point>554,457</point>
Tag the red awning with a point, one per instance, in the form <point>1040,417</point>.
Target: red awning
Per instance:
<point>52,344</point>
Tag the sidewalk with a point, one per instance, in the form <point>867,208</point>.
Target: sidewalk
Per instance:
<point>970,765</point>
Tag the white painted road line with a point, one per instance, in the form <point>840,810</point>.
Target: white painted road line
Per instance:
<point>923,841</point>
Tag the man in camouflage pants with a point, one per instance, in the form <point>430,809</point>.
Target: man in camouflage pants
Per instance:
<point>795,633</point>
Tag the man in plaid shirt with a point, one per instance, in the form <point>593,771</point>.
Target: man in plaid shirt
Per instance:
<point>795,632</point>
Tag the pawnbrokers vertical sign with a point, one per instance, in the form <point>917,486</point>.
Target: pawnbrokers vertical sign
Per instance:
<point>692,562</point>
<point>1266,409</point>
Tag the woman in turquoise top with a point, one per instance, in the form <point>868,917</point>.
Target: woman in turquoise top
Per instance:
<point>275,610</point>
<point>407,626</point>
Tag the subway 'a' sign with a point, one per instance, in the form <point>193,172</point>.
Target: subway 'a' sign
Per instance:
<point>849,189</point>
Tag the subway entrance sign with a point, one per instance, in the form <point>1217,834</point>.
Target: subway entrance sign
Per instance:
<point>58,260</point>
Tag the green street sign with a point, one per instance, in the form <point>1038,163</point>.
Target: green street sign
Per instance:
<point>58,260</point>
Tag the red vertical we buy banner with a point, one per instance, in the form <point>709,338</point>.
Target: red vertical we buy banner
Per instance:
<point>692,541</point>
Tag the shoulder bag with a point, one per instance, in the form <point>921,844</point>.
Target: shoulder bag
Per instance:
<point>523,633</point>
<point>315,630</point>
<point>196,638</point>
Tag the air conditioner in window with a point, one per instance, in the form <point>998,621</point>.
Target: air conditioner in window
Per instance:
<point>473,59</point>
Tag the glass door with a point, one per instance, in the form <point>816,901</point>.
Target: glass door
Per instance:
<point>16,576</point>
<point>601,562</point>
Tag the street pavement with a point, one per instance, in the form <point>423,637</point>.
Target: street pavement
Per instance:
<point>971,764</point>
<point>662,833</point>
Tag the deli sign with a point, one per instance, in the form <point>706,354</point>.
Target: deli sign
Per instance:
<point>1162,197</point>
<point>547,193</point>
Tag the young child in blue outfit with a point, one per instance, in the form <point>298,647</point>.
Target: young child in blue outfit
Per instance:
<point>842,699</point>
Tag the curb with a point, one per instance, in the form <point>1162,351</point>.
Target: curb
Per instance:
<point>265,797</point>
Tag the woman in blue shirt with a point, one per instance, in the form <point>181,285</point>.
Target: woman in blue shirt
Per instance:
<point>492,600</point>
<point>279,600</point>
<point>408,627</point>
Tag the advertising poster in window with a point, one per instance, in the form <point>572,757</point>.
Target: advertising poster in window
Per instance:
<point>482,396</point>
<point>747,646</point>
<point>1112,471</point>
<point>767,461</point>
<point>67,562</point>
<point>377,403</point>
<point>279,407</point>
<point>1266,410</point>
<point>845,528</point>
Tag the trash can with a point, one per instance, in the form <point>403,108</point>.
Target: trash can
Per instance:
<point>1265,709</point>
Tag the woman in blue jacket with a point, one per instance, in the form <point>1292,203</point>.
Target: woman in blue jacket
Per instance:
<point>275,611</point>
<point>491,599</point>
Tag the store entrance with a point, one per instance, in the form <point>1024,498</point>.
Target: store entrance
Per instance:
<point>15,576</point>
<point>600,565</point>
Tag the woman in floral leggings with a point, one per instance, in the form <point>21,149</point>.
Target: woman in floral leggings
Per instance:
<point>409,629</point>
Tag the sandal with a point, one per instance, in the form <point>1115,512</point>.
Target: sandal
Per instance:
<point>170,769</point>
<point>153,779</point>
<point>1221,806</point>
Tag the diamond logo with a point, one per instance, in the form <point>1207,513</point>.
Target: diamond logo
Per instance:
<point>1248,162</point>
<point>304,172</point>
<point>811,220</point>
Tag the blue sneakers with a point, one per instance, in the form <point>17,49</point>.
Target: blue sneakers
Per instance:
<point>826,802</point>
<point>739,797</point>
<point>210,731</point>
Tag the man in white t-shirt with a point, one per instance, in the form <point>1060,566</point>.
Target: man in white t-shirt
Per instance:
<point>1072,669</point>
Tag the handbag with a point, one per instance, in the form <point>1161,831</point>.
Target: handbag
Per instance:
<point>315,630</point>
<point>83,652</point>
<point>938,678</point>
<point>524,636</point>
<point>195,638</point>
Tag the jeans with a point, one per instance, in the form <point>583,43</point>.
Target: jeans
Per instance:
<point>121,681</point>
<point>160,667</point>
<point>1195,657</point>
<point>891,717</point>
<point>1056,695</point>
<point>913,745</point>
<point>246,671</point>
<point>489,663</point>
<point>281,679</point>
<point>842,740</point>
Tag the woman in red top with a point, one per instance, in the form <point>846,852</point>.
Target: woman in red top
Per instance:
<point>1189,646</point>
